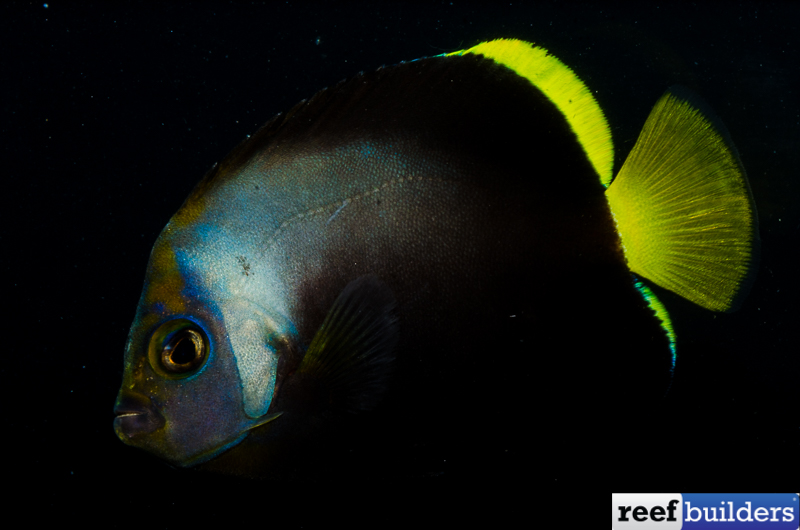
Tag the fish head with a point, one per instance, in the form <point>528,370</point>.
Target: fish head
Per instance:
<point>185,396</point>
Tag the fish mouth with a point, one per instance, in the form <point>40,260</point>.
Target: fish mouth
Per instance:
<point>135,415</point>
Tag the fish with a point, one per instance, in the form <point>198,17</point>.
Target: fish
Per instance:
<point>432,259</point>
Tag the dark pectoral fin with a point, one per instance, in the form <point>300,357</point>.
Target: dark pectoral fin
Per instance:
<point>351,356</point>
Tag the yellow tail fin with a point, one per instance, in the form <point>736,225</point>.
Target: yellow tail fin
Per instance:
<point>683,206</point>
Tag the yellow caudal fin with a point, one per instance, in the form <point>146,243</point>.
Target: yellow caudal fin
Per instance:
<point>683,206</point>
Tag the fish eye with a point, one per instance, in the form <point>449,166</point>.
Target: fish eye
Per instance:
<point>178,348</point>
<point>183,352</point>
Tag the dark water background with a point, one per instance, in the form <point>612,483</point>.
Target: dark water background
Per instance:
<point>112,112</point>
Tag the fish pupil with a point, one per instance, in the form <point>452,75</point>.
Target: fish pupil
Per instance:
<point>184,351</point>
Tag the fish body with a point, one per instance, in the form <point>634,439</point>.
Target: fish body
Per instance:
<point>422,255</point>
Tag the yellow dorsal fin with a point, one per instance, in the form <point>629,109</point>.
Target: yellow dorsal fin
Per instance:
<point>683,207</point>
<point>564,89</point>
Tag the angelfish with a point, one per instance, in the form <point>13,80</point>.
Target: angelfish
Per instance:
<point>443,242</point>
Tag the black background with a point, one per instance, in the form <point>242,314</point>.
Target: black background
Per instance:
<point>111,112</point>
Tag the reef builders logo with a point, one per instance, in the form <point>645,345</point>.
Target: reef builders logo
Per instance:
<point>705,511</point>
